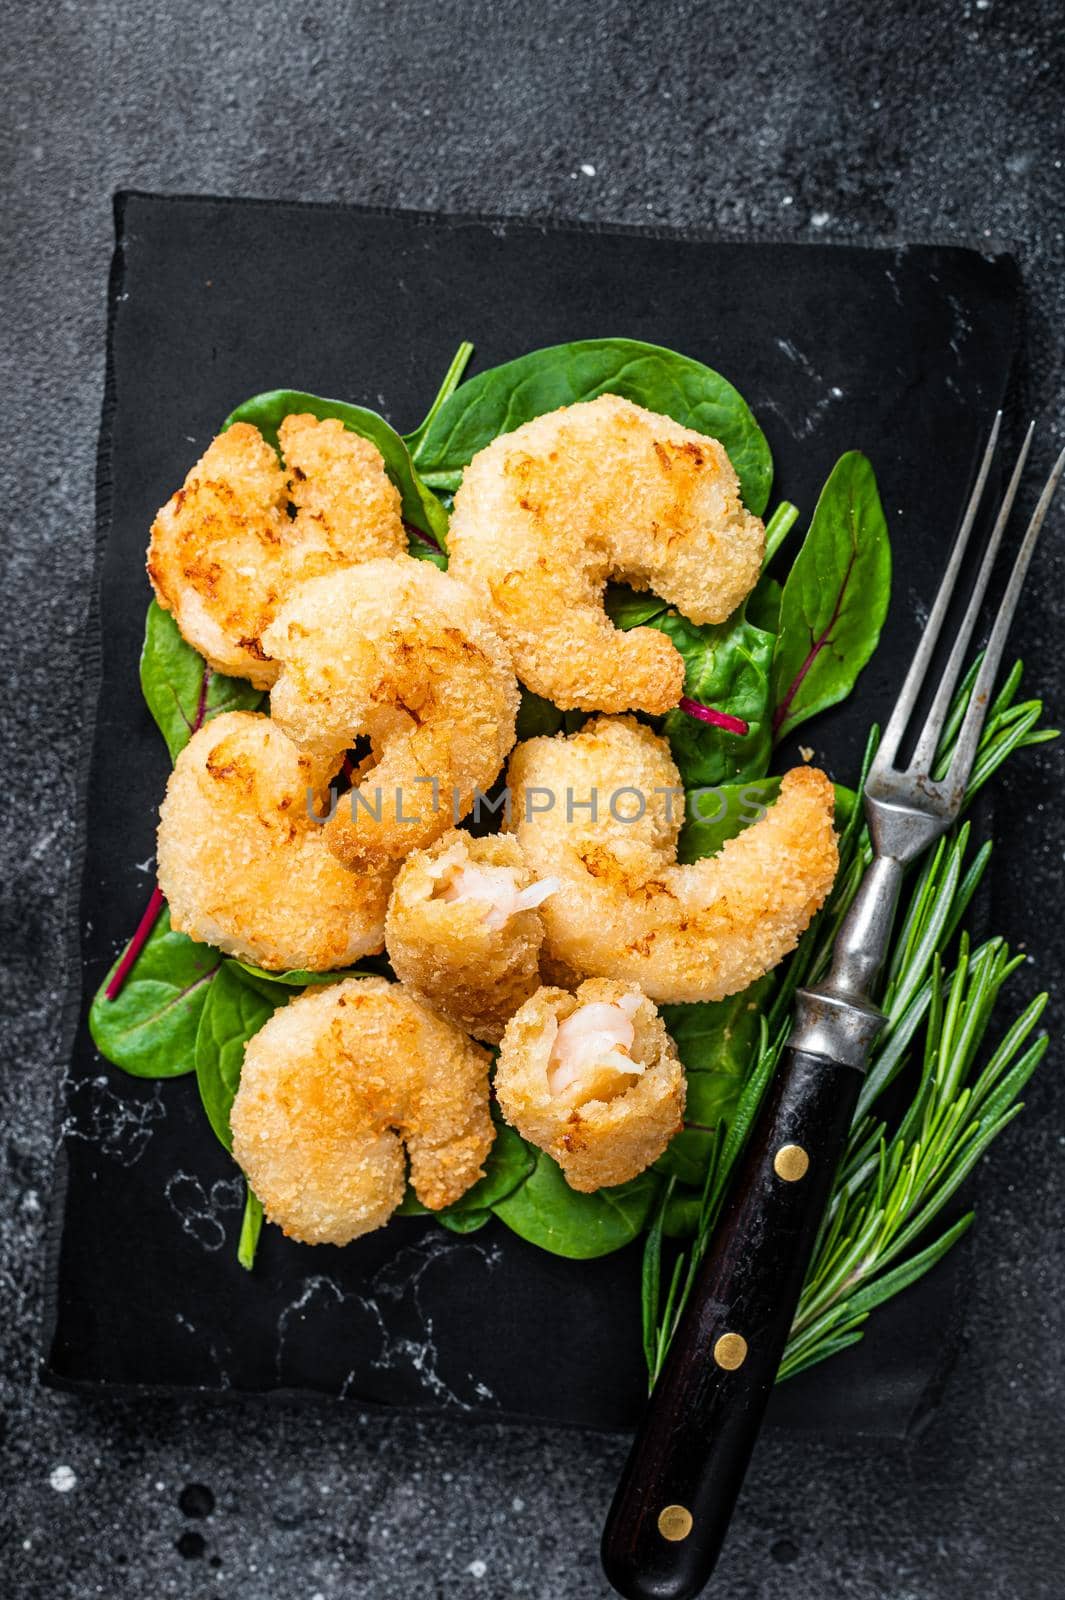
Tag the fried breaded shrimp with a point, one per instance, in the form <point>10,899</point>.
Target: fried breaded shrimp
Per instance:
<point>224,549</point>
<point>602,489</point>
<point>245,867</point>
<point>594,1079</point>
<point>626,909</point>
<point>463,929</point>
<point>400,652</point>
<point>332,1089</point>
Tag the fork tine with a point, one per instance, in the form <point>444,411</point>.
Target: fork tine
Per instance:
<point>961,763</point>
<point>925,752</point>
<point>910,690</point>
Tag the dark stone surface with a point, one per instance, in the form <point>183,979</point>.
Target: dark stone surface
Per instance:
<point>849,122</point>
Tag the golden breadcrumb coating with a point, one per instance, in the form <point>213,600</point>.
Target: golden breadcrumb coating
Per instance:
<point>401,652</point>
<point>347,507</point>
<point>626,909</point>
<point>601,489</point>
<point>461,930</point>
<point>242,864</point>
<point>224,550</point>
<point>562,1081</point>
<point>556,974</point>
<point>332,1089</point>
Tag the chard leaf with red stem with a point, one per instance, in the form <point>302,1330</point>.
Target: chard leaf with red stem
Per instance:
<point>149,1027</point>
<point>835,598</point>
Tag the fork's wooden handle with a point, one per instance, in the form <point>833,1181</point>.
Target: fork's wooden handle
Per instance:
<point>673,1504</point>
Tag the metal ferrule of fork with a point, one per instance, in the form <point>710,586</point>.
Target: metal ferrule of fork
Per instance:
<point>838,1019</point>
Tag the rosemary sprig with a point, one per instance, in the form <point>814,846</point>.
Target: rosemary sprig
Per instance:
<point>890,1189</point>
<point>891,1185</point>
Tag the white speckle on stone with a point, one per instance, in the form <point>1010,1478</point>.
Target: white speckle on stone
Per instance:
<point>837,394</point>
<point>318,1595</point>
<point>62,1479</point>
<point>160,1486</point>
<point>40,849</point>
<point>477,1569</point>
<point>27,1544</point>
<point>788,200</point>
<point>517,1504</point>
<point>587,169</point>
<point>819,219</point>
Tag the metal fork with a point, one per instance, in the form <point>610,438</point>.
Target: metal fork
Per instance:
<point>672,1507</point>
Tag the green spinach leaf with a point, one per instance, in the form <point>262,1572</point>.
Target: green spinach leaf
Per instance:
<point>500,399</point>
<point>763,604</point>
<point>686,1156</point>
<point>421,509</point>
<point>233,1012</point>
<point>181,690</point>
<point>537,716</point>
<point>718,1036</point>
<point>149,1029</point>
<point>270,983</point>
<point>631,608</point>
<point>835,598</point>
<point>727,667</point>
<point>683,1214</point>
<point>463,1221</point>
<point>546,1212</point>
<point>717,1041</point>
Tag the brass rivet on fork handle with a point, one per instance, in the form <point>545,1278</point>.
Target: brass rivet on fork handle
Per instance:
<point>699,1428</point>
<point>791,1163</point>
<point>674,1523</point>
<point>730,1351</point>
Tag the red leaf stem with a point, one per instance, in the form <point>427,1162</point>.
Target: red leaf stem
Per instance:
<point>716,719</point>
<point>423,538</point>
<point>780,715</point>
<point>136,944</point>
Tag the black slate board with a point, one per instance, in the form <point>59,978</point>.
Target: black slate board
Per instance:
<point>902,353</point>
